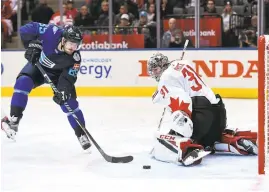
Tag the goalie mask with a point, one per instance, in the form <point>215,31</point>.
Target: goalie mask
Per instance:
<point>157,64</point>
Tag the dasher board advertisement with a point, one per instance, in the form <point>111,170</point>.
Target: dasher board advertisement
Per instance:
<point>231,73</point>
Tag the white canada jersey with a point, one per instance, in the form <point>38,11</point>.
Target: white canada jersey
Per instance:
<point>178,83</point>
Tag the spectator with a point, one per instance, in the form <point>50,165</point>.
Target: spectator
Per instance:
<point>42,13</point>
<point>229,24</point>
<point>248,37</point>
<point>95,8</point>
<point>142,22</point>
<point>168,36</point>
<point>124,10</point>
<point>103,20</point>
<point>210,8</point>
<point>84,18</point>
<point>124,26</point>
<point>132,7</point>
<point>147,4</point>
<point>179,40</point>
<point>139,3</point>
<point>151,13</point>
<point>166,8</point>
<point>150,35</point>
<point>254,8</point>
<point>174,36</point>
<point>56,18</point>
<point>14,7</point>
<point>6,13</point>
<point>70,10</point>
<point>226,16</point>
<point>32,4</point>
<point>26,9</point>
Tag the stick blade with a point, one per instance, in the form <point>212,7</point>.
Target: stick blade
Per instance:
<point>125,159</point>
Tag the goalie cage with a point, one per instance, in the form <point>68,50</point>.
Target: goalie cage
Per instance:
<point>263,104</point>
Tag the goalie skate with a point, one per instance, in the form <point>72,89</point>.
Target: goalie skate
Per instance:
<point>194,156</point>
<point>248,146</point>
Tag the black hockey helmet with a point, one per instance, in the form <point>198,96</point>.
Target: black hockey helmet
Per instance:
<point>73,34</point>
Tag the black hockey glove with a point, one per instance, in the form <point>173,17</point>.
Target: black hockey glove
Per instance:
<point>33,51</point>
<point>61,97</point>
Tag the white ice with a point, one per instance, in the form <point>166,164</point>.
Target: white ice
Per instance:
<point>48,157</point>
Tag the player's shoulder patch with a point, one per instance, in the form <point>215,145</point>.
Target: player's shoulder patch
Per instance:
<point>76,56</point>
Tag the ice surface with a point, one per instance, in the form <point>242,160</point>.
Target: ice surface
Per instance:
<point>48,157</point>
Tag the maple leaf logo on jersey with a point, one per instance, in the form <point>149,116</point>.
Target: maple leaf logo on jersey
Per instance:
<point>176,105</point>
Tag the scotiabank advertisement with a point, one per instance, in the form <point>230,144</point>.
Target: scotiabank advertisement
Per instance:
<point>225,70</point>
<point>92,42</point>
<point>210,30</point>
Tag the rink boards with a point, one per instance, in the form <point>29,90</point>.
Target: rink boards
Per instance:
<point>231,73</point>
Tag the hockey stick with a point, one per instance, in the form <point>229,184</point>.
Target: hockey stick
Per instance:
<point>108,158</point>
<point>182,55</point>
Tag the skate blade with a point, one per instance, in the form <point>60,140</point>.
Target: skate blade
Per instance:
<point>88,151</point>
<point>9,132</point>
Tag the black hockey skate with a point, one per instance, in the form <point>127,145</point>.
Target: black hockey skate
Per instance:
<point>247,145</point>
<point>10,126</point>
<point>84,142</point>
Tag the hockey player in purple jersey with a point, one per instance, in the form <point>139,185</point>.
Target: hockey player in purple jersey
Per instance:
<point>57,50</point>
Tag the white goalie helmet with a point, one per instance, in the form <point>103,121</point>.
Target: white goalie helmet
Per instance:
<point>182,124</point>
<point>156,65</point>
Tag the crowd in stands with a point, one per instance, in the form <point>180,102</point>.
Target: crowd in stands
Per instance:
<point>238,18</point>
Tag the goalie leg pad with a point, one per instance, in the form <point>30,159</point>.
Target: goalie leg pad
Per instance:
<point>177,149</point>
<point>241,142</point>
<point>244,134</point>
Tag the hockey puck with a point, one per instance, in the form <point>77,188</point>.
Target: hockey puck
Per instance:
<point>146,166</point>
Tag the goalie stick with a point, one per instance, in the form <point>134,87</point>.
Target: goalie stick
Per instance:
<point>108,158</point>
<point>183,53</point>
